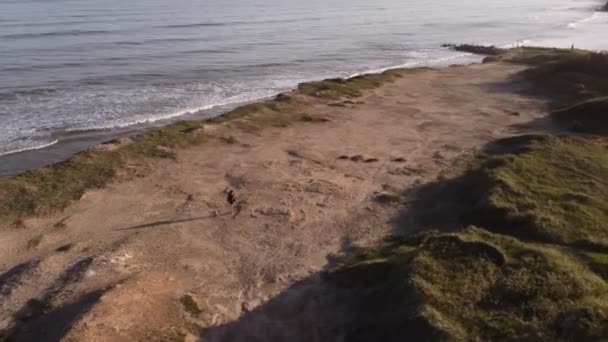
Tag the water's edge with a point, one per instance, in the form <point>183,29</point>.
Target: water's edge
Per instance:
<point>19,162</point>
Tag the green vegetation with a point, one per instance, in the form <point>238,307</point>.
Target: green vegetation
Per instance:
<point>190,305</point>
<point>52,188</point>
<point>350,88</point>
<point>535,269</point>
<point>556,192</point>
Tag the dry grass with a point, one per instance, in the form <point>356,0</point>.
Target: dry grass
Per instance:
<point>190,305</point>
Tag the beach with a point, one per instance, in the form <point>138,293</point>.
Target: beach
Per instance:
<point>317,171</point>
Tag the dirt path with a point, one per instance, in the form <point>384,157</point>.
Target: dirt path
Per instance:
<point>114,266</point>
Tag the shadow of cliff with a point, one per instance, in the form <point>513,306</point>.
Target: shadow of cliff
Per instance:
<point>10,279</point>
<point>308,311</point>
<point>39,319</point>
<point>54,324</point>
<point>448,203</point>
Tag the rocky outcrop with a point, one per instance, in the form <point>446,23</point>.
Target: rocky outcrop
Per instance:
<point>476,49</point>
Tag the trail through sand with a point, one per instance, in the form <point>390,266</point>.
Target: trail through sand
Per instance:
<point>114,266</point>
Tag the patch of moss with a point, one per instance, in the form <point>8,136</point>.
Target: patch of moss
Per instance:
<point>190,305</point>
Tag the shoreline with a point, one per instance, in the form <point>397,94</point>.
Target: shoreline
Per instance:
<point>13,164</point>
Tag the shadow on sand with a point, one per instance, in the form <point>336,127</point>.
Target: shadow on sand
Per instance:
<point>159,224</point>
<point>39,319</point>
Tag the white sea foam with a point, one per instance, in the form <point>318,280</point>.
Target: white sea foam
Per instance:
<point>142,120</point>
<point>29,148</point>
<point>437,61</point>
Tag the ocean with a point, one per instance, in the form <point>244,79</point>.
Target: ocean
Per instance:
<point>76,72</point>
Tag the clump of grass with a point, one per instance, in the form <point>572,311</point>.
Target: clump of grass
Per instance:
<point>34,242</point>
<point>351,88</point>
<point>190,305</point>
<point>253,118</point>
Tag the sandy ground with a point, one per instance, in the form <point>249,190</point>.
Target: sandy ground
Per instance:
<point>113,266</point>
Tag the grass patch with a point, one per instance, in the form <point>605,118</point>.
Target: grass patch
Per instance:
<point>350,88</point>
<point>190,305</point>
<point>536,270</point>
<point>52,188</point>
<point>556,192</point>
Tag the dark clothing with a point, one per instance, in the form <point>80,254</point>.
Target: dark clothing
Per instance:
<point>231,198</point>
